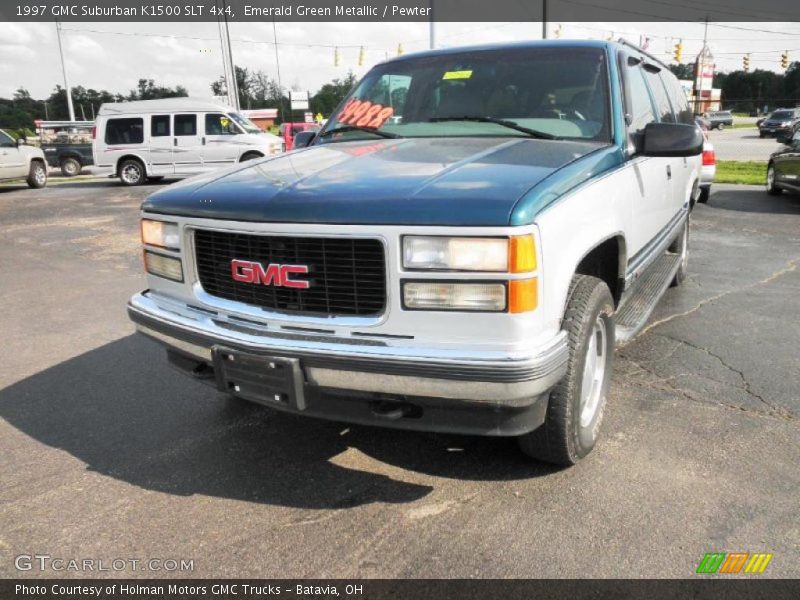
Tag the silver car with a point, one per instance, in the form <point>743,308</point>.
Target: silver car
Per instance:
<point>19,161</point>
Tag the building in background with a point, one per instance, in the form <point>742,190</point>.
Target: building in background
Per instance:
<point>264,118</point>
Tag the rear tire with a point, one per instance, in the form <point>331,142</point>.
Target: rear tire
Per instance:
<point>705,192</point>
<point>70,167</point>
<point>681,247</point>
<point>721,126</point>
<point>131,172</point>
<point>37,175</point>
<point>576,405</point>
<point>772,189</point>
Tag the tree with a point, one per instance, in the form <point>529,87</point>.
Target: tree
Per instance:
<point>331,94</point>
<point>146,89</point>
<point>683,70</point>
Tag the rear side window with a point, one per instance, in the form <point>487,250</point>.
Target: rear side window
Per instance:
<point>185,124</point>
<point>125,131</point>
<point>680,103</point>
<point>663,106</point>
<point>159,126</point>
<point>639,106</point>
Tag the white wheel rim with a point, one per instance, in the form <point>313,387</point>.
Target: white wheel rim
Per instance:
<point>70,167</point>
<point>39,175</point>
<point>770,177</point>
<point>131,173</point>
<point>594,373</point>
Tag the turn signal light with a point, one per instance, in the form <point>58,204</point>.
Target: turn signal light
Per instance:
<point>521,254</point>
<point>523,295</point>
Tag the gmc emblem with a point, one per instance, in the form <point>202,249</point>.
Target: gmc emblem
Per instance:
<point>247,271</point>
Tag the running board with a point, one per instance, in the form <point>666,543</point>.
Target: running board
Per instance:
<point>641,298</point>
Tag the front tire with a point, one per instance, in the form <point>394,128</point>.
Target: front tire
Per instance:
<point>131,172</point>
<point>576,405</point>
<point>37,175</point>
<point>772,189</point>
<point>70,167</point>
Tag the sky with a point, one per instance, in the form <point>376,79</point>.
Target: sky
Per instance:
<point>113,56</point>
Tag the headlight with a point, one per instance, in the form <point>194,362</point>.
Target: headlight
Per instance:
<point>159,233</point>
<point>163,266</point>
<point>442,295</point>
<point>491,255</point>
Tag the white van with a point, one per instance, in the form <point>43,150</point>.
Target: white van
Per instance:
<point>150,139</point>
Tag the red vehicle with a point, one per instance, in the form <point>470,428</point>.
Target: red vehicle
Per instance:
<point>287,131</point>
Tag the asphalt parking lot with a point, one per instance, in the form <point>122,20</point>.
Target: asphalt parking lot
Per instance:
<point>107,453</point>
<point>742,144</point>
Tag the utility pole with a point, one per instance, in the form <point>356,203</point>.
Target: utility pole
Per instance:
<point>432,30</point>
<point>544,19</point>
<point>230,57</point>
<point>46,115</point>
<point>278,69</point>
<point>224,55</point>
<point>64,71</point>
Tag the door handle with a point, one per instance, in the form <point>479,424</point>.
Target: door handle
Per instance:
<point>204,140</point>
<point>669,172</point>
<point>174,141</point>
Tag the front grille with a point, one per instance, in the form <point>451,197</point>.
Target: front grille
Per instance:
<point>347,276</point>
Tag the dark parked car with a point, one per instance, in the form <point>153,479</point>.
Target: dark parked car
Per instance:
<point>70,158</point>
<point>702,122</point>
<point>781,122</point>
<point>783,170</point>
<point>719,119</point>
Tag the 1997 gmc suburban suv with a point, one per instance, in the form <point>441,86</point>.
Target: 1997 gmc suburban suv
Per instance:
<point>457,250</point>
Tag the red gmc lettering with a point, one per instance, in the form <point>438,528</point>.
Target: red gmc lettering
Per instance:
<point>246,271</point>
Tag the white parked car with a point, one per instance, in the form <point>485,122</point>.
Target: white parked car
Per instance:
<point>19,161</point>
<point>151,139</point>
<point>707,172</point>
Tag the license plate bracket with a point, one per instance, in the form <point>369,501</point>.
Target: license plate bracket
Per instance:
<point>268,380</point>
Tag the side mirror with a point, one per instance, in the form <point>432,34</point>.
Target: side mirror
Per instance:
<point>672,139</point>
<point>21,142</point>
<point>303,139</point>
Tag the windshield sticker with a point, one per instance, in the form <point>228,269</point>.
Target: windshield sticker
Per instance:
<point>457,75</point>
<point>363,113</point>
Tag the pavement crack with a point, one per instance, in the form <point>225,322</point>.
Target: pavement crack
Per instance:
<point>790,267</point>
<point>746,386</point>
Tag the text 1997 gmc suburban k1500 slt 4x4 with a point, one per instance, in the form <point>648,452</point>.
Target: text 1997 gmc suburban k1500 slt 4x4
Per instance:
<point>457,250</point>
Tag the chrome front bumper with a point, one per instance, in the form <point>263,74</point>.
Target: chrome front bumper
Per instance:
<point>488,382</point>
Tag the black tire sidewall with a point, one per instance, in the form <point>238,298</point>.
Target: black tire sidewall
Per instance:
<point>142,176</point>
<point>65,167</point>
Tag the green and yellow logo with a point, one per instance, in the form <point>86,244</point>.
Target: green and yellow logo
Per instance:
<point>734,562</point>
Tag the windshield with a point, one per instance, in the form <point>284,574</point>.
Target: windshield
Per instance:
<point>558,92</point>
<point>781,115</point>
<point>244,123</point>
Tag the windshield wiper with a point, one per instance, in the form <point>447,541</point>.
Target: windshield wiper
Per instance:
<point>346,128</point>
<point>510,124</point>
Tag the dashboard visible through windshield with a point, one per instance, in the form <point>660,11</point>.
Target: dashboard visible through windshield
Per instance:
<point>537,92</point>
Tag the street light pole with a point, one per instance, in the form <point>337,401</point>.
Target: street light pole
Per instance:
<point>64,71</point>
<point>230,57</point>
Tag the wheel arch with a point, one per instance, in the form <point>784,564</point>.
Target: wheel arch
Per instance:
<point>128,156</point>
<point>607,260</point>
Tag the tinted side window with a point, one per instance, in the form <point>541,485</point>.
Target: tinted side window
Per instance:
<point>125,131</point>
<point>638,102</point>
<point>663,106</point>
<point>680,103</point>
<point>159,125</point>
<point>185,124</point>
<point>6,141</point>
<point>219,124</point>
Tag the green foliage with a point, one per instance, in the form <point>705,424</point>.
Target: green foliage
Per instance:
<point>331,94</point>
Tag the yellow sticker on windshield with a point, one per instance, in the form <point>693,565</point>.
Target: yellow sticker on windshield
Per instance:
<point>457,75</point>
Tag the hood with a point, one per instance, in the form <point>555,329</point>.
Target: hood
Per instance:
<point>410,181</point>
